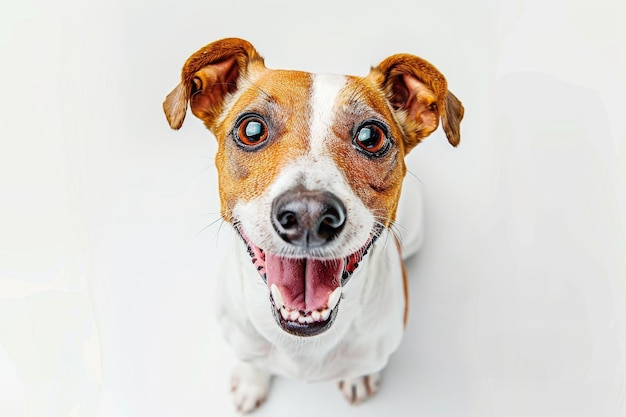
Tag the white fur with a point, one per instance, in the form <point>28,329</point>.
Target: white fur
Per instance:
<point>325,90</point>
<point>250,386</point>
<point>357,390</point>
<point>410,217</point>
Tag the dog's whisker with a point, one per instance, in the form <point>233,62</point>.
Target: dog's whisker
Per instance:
<point>219,229</point>
<point>203,170</point>
<point>219,219</point>
<point>413,175</point>
<point>258,88</point>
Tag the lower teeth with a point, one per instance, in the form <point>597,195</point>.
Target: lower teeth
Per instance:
<point>304,318</point>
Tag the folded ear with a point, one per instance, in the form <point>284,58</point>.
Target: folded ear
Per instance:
<point>419,94</point>
<point>208,76</point>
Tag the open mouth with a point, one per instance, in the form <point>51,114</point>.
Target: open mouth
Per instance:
<point>305,292</point>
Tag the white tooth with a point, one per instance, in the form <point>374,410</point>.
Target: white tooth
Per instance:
<point>284,313</point>
<point>334,297</point>
<point>325,314</point>
<point>294,315</point>
<point>277,296</point>
<point>301,319</point>
<point>308,319</point>
<point>316,316</point>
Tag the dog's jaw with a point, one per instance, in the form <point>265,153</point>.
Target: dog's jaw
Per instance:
<point>305,293</point>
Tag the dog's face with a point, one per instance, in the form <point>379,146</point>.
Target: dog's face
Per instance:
<point>310,166</point>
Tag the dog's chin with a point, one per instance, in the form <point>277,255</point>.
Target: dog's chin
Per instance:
<point>296,328</point>
<point>305,293</point>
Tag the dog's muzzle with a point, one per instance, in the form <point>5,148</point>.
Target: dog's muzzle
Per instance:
<point>305,291</point>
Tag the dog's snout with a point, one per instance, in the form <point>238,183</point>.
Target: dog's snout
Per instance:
<point>308,218</point>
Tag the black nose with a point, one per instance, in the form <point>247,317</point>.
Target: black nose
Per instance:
<point>308,218</point>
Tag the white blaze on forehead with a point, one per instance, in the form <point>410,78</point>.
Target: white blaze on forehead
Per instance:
<point>325,90</point>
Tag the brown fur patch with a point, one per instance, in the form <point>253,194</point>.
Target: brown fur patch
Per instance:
<point>282,99</point>
<point>375,180</point>
<point>405,283</point>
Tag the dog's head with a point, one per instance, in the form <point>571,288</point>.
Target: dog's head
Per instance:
<point>310,166</point>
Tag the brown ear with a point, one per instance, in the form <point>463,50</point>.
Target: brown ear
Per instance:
<point>419,94</point>
<point>207,77</point>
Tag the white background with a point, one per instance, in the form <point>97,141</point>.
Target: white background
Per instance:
<point>108,246</point>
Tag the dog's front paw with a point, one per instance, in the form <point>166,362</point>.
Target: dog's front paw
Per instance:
<point>357,390</point>
<point>250,386</point>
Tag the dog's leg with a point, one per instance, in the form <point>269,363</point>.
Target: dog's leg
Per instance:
<point>357,390</point>
<point>250,386</point>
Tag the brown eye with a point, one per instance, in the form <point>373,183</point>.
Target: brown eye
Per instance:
<point>372,139</point>
<point>252,131</point>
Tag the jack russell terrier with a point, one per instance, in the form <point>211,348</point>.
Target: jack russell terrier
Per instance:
<point>310,169</point>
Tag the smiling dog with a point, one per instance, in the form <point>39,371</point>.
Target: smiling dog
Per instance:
<point>310,169</point>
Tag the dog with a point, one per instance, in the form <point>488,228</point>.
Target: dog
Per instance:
<point>310,169</point>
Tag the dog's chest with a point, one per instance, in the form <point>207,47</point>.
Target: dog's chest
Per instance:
<point>368,328</point>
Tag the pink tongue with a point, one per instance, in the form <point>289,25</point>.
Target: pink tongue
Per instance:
<point>304,283</point>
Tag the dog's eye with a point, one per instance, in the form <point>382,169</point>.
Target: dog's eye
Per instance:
<point>372,139</point>
<point>252,131</point>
